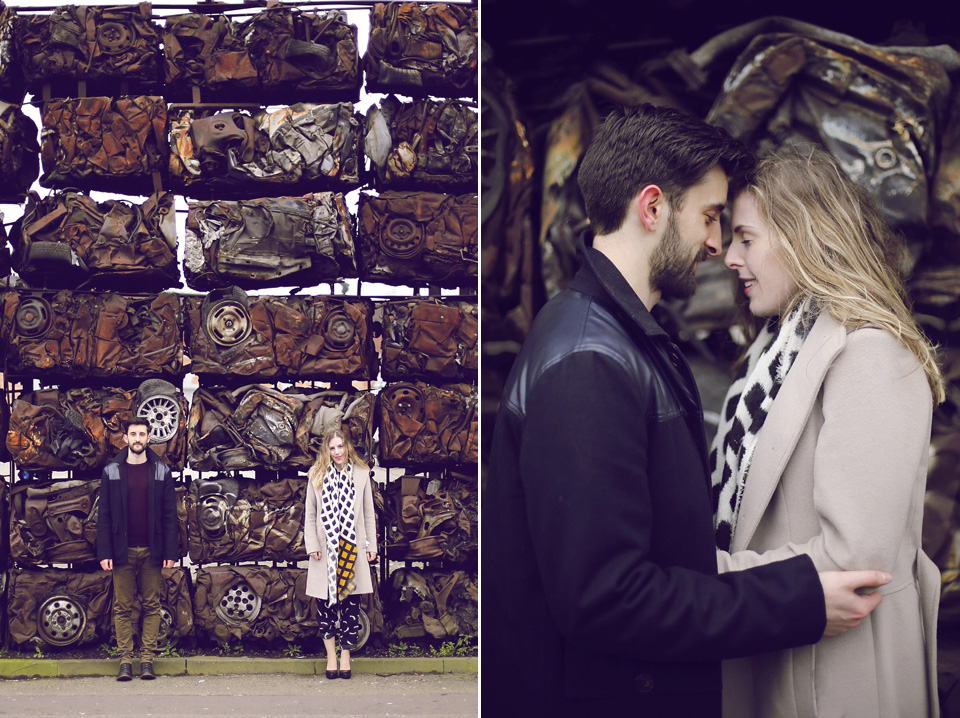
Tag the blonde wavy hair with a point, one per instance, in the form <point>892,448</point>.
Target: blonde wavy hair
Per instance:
<point>838,249</point>
<point>318,471</point>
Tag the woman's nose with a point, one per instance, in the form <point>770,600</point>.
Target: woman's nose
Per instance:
<point>733,260</point>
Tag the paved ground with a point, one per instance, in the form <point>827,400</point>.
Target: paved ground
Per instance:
<point>452,695</point>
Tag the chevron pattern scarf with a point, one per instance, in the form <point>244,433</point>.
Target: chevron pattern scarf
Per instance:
<point>745,408</point>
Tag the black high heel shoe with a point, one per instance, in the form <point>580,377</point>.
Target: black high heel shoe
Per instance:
<point>334,674</point>
<point>345,674</point>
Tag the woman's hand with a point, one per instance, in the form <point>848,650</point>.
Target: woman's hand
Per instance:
<point>315,555</point>
<point>371,555</point>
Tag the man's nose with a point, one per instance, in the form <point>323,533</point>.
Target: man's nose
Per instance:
<point>714,243</point>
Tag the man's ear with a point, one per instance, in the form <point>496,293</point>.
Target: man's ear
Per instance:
<point>650,204</point>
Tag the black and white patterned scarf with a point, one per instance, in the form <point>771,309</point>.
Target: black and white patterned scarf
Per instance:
<point>338,496</point>
<point>745,409</point>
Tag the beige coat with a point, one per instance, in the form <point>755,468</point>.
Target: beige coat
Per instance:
<point>839,473</point>
<point>366,536</point>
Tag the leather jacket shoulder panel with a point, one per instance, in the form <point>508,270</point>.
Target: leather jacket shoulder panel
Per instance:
<point>575,322</point>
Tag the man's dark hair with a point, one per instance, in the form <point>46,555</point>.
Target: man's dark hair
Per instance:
<point>134,421</point>
<point>643,145</point>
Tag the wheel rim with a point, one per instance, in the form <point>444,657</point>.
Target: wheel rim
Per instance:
<point>228,323</point>
<point>61,620</point>
<point>340,331</point>
<point>212,515</point>
<point>33,317</point>
<point>364,634</point>
<point>240,604</point>
<point>407,401</point>
<point>165,634</point>
<point>401,238</point>
<point>114,38</point>
<point>162,414</point>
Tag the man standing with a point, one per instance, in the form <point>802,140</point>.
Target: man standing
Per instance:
<point>600,585</point>
<point>137,533</point>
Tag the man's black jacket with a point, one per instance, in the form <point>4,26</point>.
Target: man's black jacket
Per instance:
<point>600,586</point>
<point>162,527</point>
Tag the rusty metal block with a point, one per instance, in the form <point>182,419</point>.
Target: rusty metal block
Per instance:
<point>430,339</point>
<point>279,54</point>
<point>419,49</point>
<point>59,608</point>
<point>103,143</point>
<point>253,602</point>
<point>431,519</point>
<point>424,145</point>
<point>82,428</point>
<point>284,241</point>
<point>78,334</point>
<point>427,426</point>
<point>260,426</point>
<point>235,519</point>
<point>19,152</point>
<point>431,603</point>
<point>876,111</point>
<point>98,44</point>
<point>309,337</point>
<point>297,149</point>
<point>418,238</point>
<point>67,239</point>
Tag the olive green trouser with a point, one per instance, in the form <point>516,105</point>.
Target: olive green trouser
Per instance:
<point>139,571</point>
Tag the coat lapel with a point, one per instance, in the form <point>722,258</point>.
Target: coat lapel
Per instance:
<point>782,428</point>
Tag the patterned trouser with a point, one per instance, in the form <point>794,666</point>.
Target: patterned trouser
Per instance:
<point>349,612</point>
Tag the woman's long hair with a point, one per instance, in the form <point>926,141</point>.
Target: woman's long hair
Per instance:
<point>838,248</point>
<point>318,471</point>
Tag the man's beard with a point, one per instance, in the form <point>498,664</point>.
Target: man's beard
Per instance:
<point>672,270</point>
<point>135,450</point>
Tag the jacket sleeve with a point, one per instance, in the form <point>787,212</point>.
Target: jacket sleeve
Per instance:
<point>583,465</point>
<point>369,518</point>
<point>871,453</point>
<point>104,519</point>
<point>310,540</point>
<point>169,520</point>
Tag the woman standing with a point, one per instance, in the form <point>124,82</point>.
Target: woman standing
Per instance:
<point>339,523</point>
<point>824,441</point>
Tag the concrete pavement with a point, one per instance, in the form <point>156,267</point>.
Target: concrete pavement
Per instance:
<point>277,695</point>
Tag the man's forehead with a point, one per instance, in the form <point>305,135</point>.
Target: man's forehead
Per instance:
<point>711,191</point>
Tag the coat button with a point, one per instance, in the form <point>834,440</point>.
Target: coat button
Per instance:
<point>644,682</point>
